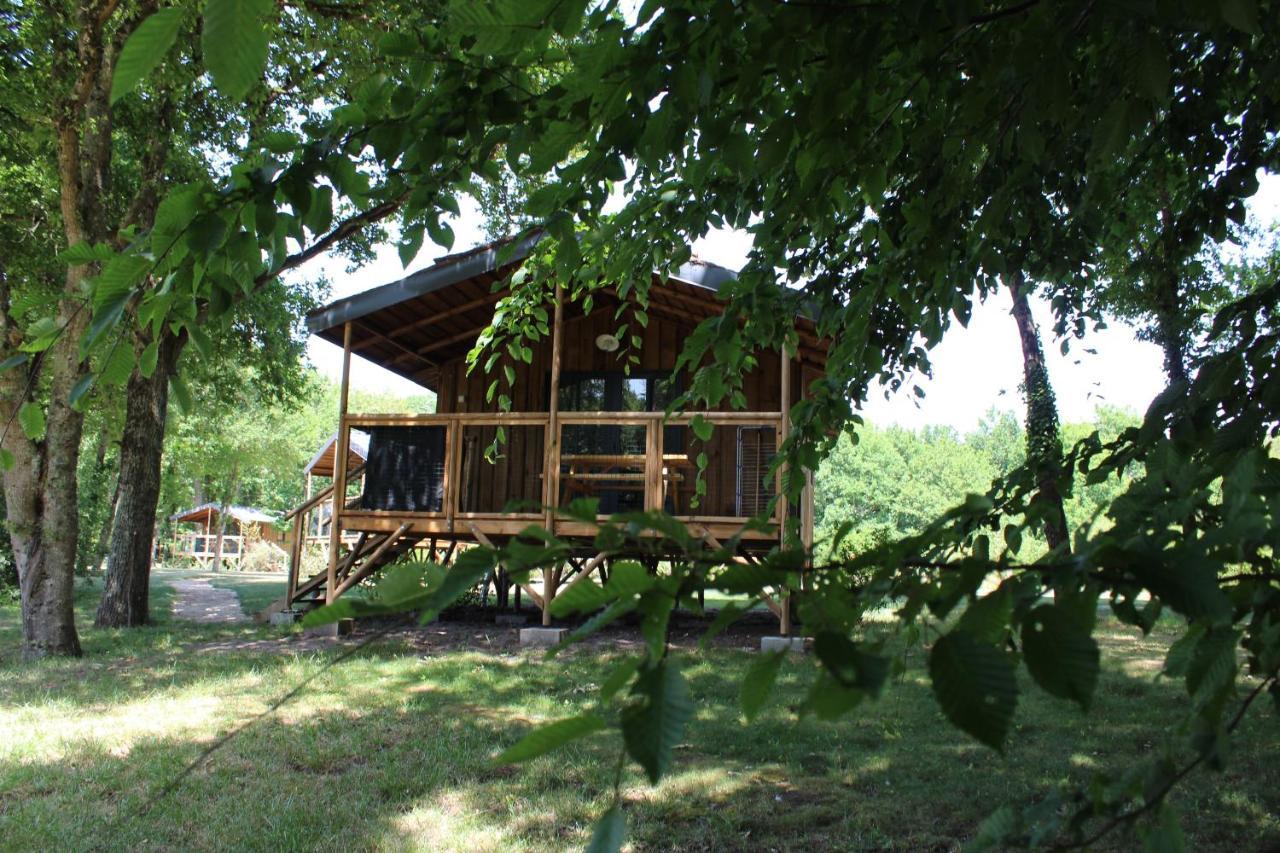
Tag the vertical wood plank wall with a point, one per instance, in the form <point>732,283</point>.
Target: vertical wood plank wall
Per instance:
<point>489,487</point>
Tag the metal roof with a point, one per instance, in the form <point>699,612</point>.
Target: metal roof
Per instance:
<point>452,269</point>
<point>242,514</point>
<point>358,443</point>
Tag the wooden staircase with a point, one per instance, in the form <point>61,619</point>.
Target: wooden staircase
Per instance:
<point>371,552</point>
<point>368,554</point>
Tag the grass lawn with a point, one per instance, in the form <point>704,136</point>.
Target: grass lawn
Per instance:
<point>391,747</point>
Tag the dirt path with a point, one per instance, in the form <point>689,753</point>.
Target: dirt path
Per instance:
<point>198,601</point>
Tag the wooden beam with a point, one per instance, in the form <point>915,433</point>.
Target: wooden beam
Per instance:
<point>405,352</point>
<point>435,345</point>
<point>484,540</point>
<point>339,468</point>
<point>591,565</point>
<point>487,299</point>
<point>371,563</point>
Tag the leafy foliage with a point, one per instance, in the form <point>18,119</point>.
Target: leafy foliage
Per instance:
<point>991,144</point>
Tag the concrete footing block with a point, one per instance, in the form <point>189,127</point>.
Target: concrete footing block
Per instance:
<point>782,644</point>
<point>284,618</point>
<point>542,636</point>
<point>341,628</point>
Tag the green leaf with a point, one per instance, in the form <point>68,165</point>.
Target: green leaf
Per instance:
<point>82,386</point>
<point>619,678</point>
<point>6,460</point>
<point>31,417</point>
<point>996,830</point>
<point>1153,68</point>
<point>988,617</point>
<point>609,832</point>
<point>181,394</point>
<point>546,738</point>
<point>86,253</point>
<point>117,280</point>
<point>654,725</point>
<point>1061,655</point>
<point>582,597</point>
<point>144,49</point>
<point>147,361</point>
<point>235,44</point>
<point>200,340</point>
<point>118,366</point>
<point>701,427</point>
<point>627,577</point>
<point>850,665</point>
<point>758,683</point>
<point>14,361</point>
<point>441,233</point>
<point>1212,667</point>
<point>975,685</point>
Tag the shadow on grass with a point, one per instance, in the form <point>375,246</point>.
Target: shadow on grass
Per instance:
<point>390,750</point>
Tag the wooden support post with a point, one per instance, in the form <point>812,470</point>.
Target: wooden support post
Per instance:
<point>551,462</point>
<point>295,558</point>
<point>452,469</point>
<point>784,432</point>
<point>654,478</point>
<point>552,465</point>
<point>339,471</point>
<point>548,593</point>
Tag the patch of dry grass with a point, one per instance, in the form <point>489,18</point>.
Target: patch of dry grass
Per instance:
<point>391,748</point>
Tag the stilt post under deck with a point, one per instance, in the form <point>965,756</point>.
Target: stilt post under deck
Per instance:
<point>551,464</point>
<point>339,470</point>
<point>784,431</point>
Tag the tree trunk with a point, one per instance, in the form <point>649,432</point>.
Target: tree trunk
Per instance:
<point>1044,441</point>
<point>234,492</point>
<point>1171,331</point>
<point>41,493</point>
<point>125,599</point>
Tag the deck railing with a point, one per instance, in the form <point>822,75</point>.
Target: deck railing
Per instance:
<point>644,474</point>
<point>201,546</point>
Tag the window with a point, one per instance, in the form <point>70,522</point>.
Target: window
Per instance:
<point>614,391</point>
<point>607,461</point>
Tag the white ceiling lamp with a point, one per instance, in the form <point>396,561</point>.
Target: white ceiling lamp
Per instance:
<point>607,343</point>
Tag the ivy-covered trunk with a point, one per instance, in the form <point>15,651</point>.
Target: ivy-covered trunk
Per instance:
<point>40,489</point>
<point>1044,440</point>
<point>124,601</point>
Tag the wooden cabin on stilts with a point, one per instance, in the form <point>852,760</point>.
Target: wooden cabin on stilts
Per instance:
<point>580,426</point>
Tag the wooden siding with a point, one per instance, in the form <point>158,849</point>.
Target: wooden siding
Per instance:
<point>488,487</point>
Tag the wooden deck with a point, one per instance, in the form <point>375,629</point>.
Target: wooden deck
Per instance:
<point>603,445</point>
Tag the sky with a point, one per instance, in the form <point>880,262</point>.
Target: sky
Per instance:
<point>975,368</point>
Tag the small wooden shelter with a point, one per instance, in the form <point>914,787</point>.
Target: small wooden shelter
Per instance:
<point>313,525</point>
<point>581,424</point>
<point>199,541</point>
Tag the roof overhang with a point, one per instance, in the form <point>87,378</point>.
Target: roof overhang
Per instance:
<point>413,325</point>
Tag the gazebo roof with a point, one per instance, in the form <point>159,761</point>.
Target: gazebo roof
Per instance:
<point>209,511</point>
<point>321,465</point>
